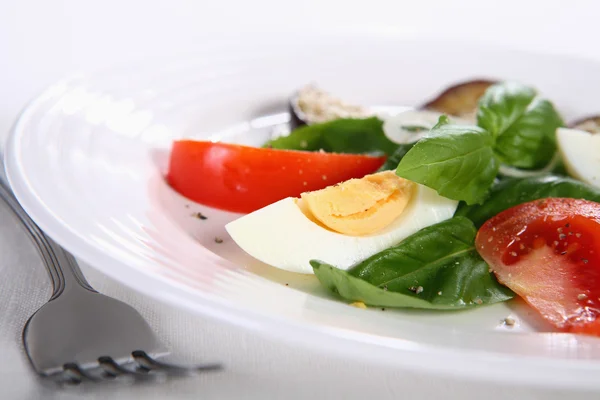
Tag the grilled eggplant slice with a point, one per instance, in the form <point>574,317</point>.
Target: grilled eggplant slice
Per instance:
<point>311,105</point>
<point>589,124</point>
<point>460,100</point>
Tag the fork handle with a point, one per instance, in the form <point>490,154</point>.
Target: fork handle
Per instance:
<point>62,267</point>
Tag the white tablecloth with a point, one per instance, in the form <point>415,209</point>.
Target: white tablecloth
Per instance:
<point>40,41</point>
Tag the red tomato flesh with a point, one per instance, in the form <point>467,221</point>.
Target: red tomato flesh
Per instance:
<point>243,179</point>
<point>548,252</point>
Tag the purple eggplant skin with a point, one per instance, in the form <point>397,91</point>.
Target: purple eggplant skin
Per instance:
<point>297,117</point>
<point>589,124</point>
<point>461,99</point>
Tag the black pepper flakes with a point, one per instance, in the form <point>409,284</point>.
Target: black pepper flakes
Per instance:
<point>199,215</point>
<point>287,284</point>
<point>218,240</point>
<point>382,309</point>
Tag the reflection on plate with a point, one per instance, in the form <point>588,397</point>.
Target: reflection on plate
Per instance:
<point>87,159</point>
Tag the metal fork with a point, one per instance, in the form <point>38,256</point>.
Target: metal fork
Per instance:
<point>82,335</point>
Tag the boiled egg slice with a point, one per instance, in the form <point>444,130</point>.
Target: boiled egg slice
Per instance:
<point>342,224</point>
<point>580,151</point>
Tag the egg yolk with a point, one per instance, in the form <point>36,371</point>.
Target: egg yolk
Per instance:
<point>359,206</point>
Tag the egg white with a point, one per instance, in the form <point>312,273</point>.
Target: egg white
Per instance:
<point>580,151</point>
<point>281,235</point>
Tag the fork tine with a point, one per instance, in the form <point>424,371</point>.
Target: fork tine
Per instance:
<point>151,364</point>
<point>63,378</point>
<point>78,372</point>
<point>142,367</point>
<point>70,374</point>
<point>113,369</point>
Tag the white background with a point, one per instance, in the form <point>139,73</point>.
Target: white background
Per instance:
<point>40,41</point>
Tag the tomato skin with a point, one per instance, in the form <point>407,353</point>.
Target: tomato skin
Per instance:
<point>244,179</point>
<point>548,252</point>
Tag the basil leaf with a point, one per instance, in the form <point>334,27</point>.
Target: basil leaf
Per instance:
<point>348,135</point>
<point>392,161</point>
<point>560,169</point>
<point>436,268</point>
<point>457,161</point>
<point>523,124</point>
<point>511,192</point>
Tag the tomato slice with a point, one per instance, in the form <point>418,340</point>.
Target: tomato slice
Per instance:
<point>548,252</point>
<point>243,179</point>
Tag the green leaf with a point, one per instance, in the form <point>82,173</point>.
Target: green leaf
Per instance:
<point>523,124</point>
<point>392,161</point>
<point>511,192</point>
<point>560,169</point>
<point>339,136</point>
<point>436,268</point>
<point>457,161</point>
<point>442,120</point>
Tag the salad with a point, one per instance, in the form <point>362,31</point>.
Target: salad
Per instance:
<point>478,196</point>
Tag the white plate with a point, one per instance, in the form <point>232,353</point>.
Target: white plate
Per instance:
<point>87,157</point>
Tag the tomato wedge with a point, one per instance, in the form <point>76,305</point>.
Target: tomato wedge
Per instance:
<point>548,252</point>
<point>243,179</point>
